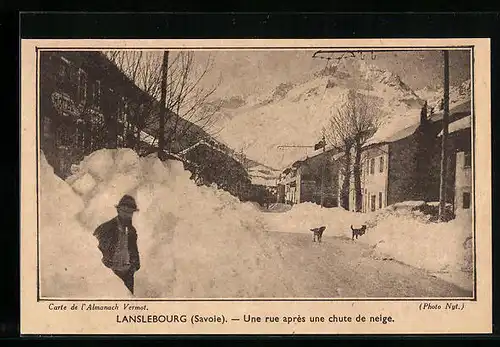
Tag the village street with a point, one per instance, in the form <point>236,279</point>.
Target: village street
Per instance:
<point>203,196</point>
<point>339,267</point>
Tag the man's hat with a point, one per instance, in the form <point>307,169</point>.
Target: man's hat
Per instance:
<point>127,201</point>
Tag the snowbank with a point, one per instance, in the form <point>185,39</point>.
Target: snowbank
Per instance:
<point>193,241</point>
<point>410,237</point>
<point>401,232</point>
<point>69,258</point>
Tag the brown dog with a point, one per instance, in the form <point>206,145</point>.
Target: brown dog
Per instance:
<point>318,233</point>
<point>358,232</point>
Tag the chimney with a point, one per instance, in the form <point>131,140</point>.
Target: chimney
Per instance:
<point>423,114</point>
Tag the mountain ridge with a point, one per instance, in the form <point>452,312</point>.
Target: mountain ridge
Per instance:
<point>294,112</point>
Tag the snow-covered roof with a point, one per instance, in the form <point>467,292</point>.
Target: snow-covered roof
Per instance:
<point>149,139</point>
<point>392,137</point>
<point>318,152</point>
<point>410,129</point>
<point>203,142</point>
<point>401,134</point>
<point>171,156</point>
<point>464,107</point>
<point>263,175</point>
<point>338,155</point>
<point>263,181</point>
<point>313,154</point>
<point>263,169</point>
<point>457,125</point>
<point>175,156</point>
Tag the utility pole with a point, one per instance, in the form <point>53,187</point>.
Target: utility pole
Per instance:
<point>444,139</point>
<point>163,101</point>
<point>323,172</point>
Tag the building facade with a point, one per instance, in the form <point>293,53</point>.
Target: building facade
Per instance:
<point>310,178</point>
<point>406,166</point>
<point>463,185</point>
<point>86,103</point>
<point>374,179</point>
<point>289,184</point>
<point>460,140</point>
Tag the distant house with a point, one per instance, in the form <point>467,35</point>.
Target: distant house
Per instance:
<point>406,165</point>
<point>263,175</point>
<point>301,182</point>
<point>389,171</point>
<point>289,184</point>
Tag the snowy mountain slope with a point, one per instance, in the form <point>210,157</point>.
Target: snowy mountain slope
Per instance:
<point>458,94</point>
<point>288,121</point>
<point>295,113</point>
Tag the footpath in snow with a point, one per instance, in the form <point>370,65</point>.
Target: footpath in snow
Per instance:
<point>400,232</point>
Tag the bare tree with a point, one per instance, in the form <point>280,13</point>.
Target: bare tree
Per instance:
<point>187,99</point>
<point>339,134</point>
<point>351,125</point>
<point>144,68</point>
<point>365,117</point>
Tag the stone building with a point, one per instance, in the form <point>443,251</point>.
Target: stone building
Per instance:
<point>86,103</point>
<point>406,165</point>
<point>302,181</point>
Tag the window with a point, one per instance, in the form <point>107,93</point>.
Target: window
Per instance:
<point>63,136</point>
<point>467,159</point>
<point>372,166</point>
<point>373,197</point>
<point>120,141</point>
<point>365,201</point>
<point>466,200</point>
<point>120,129</point>
<point>80,136</point>
<point>382,164</point>
<point>96,94</point>
<point>64,70</point>
<point>380,200</point>
<point>64,82</point>
<point>122,110</point>
<point>126,118</point>
<point>82,86</point>
<point>47,127</point>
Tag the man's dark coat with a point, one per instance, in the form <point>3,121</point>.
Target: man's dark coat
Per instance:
<point>107,235</point>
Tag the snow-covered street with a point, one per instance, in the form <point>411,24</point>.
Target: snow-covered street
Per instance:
<point>343,268</point>
<point>198,241</point>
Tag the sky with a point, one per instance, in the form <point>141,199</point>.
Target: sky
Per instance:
<point>249,72</point>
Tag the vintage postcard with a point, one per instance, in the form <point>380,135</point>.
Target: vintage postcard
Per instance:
<point>255,186</point>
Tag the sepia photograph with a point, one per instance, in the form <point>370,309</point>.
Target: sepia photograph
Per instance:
<point>265,173</point>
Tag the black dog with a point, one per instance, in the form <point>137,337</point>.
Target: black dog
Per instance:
<point>358,232</point>
<point>318,233</point>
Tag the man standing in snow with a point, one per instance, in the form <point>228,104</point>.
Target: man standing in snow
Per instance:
<point>118,242</point>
